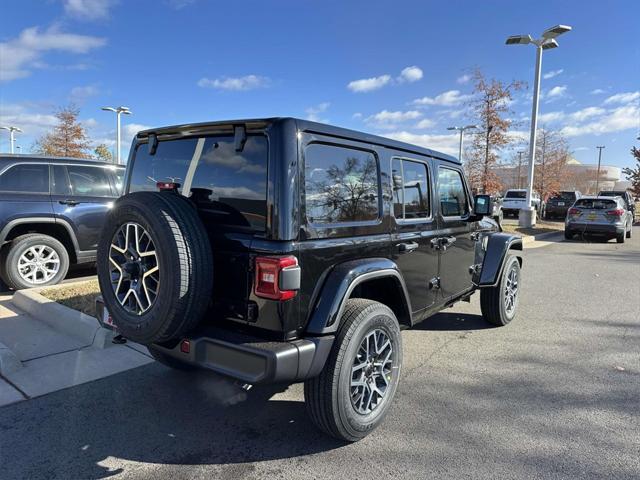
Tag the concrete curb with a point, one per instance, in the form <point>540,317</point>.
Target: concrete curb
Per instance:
<point>64,319</point>
<point>526,239</point>
<point>8,361</point>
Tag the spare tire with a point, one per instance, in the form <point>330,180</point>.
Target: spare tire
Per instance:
<point>155,266</point>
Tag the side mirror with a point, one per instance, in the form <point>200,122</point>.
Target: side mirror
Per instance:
<point>482,205</point>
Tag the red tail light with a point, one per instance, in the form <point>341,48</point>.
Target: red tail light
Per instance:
<point>277,278</point>
<point>167,185</point>
<point>573,211</point>
<point>618,212</point>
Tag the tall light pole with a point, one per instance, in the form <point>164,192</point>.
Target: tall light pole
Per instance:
<point>12,131</point>
<point>598,174</point>
<point>527,217</point>
<point>118,111</point>
<point>461,130</point>
<point>519,167</point>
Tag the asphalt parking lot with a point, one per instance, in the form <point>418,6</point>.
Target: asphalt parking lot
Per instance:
<point>555,394</point>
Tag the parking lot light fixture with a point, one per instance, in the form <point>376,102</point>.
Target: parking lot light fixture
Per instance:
<point>118,111</point>
<point>547,41</point>
<point>12,139</point>
<point>461,130</point>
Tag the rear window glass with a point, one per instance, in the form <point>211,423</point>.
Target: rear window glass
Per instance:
<point>229,187</point>
<point>26,178</point>
<point>341,184</point>
<point>596,204</point>
<point>564,196</point>
<point>516,195</point>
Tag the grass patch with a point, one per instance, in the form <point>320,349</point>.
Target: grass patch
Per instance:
<point>80,296</point>
<point>541,227</point>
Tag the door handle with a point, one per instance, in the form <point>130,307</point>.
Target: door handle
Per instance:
<point>407,247</point>
<point>71,203</point>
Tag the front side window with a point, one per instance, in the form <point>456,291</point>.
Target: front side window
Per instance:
<point>410,190</point>
<point>341,184</point>
<point>26,178</point>
<point>451,193</point>
<point>229,187</point>
<point>89,181</point>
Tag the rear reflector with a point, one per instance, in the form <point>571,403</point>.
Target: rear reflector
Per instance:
<point>167,185</point>
<point>573,211</point>
<point>185,346</point>
<point>618,212</point>
<point>277,278</point>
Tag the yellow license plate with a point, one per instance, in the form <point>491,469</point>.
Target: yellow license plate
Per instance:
<point>591,217</point>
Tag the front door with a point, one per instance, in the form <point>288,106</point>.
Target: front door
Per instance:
<point>457,249</point>
<point>414,230</point>
<point>81,196</point>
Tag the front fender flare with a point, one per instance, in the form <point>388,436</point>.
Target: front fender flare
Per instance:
<point>498,244</point>
<point>338,286</point>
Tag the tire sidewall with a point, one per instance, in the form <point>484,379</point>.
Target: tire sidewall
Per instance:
<point>356,424</point>
<point>16,250</point>
<point>511,263</point>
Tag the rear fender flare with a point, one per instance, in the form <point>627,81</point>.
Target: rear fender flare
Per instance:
<point>498,246</point>
<point>340,283</point>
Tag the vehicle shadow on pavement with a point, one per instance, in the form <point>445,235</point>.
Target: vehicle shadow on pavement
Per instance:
<point>454,321</point>
<point>156,416</point>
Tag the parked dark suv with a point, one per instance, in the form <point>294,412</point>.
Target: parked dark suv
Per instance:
<point>559,204</point>
<point>282,250</point>
<point>51,214</point>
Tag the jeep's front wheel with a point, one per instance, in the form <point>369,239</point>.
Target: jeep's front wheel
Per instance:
<point>499,304</point>
<point>355,390</point>
<point>34,260</point>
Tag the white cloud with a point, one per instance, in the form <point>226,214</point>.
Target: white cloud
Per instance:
<point>425,123</point>
<point>445,99</point>
<point>88,9</point>
<point>586,113</point>
<point>369,84</point>
<point>443,143</point>
<point>248,82</point>
<point>597,91</point>
<point>180,4</point>
<point>29,117</point>
<point>313,113</point>
<point>557,92</point>
<point>618,119</point>
<point>356,115</point>
<point>626,97</point>
<point>386,119</point>
<point>550,117</point>
<point>552,73</point>
<point>20,55</point>
<point>79,94</point>
<point>407,75</point>
<point>410,74</point>
<point>462,79</point>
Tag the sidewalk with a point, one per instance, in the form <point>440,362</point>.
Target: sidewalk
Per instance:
<point>36,358</point>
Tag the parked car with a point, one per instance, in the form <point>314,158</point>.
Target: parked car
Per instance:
<point>558,204</point>
<point>624,194</point>
<point>516,198</point>
<point>292,251</point>
<point>51,214</point>
<point>606,216</point>
<point>497,214</point>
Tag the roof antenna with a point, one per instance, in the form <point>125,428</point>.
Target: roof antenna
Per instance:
<point>240,137</point>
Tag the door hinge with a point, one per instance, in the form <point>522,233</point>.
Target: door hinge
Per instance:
<point>434,283</point>
<point>475,236</point>
<point>473,269</point>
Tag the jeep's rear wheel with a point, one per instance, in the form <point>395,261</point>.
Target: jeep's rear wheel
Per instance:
<point>155,266</point>
<point>34,260</point>
<point>499,304</point>
<point>353,393</point>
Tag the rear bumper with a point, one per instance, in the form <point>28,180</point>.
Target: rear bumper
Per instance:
<point>596,228</point>
<point>246,358</point>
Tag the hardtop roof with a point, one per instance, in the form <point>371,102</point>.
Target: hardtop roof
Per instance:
<point>304,126</point>
<point>15,157</point>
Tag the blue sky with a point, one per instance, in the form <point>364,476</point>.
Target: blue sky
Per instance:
<point>392,68</point>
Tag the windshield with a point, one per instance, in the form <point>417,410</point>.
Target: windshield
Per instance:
<point>227,185</point>
<point>595,204</point>
<point>515,194</point>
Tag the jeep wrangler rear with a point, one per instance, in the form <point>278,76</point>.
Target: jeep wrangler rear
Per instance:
<point>282,250</point>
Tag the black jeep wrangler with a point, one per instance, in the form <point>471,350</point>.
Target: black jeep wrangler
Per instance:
<point>283,250</point>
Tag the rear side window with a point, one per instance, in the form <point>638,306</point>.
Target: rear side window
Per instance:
<point>26,178</point>
<point>596,204</point>
<point>341,184</point>
<point>60,183</point>
<point>229,187</point>
<point>410,190</point>
<point>451,193</point>
<point>89,181</point>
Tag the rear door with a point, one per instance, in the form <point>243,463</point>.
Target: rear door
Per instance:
<point>24,192</point>
<point>82,196</point>
<point>457,249</point>
<point>414,229</point>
